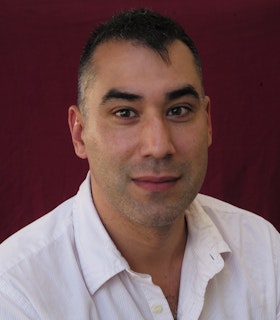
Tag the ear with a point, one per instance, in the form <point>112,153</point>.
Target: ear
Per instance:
<point>209,121</point>
<point>76,126</point>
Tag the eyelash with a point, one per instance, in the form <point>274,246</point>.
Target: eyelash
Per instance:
<point>124,110</point>
<point>127,113</point>
<point>187,110</point>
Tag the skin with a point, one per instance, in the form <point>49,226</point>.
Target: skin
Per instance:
<point>145,133</point>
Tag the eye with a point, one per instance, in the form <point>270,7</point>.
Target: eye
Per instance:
<point>179,111</point>
<point>125,113</point>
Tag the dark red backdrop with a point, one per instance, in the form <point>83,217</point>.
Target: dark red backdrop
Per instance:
<point>40,45</point>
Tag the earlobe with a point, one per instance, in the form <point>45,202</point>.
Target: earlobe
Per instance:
<point>209,121</point>
<point>76,126</point>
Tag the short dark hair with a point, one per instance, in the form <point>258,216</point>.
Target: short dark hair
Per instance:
<point>142,26</point>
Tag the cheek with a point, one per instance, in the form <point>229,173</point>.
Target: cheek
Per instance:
<point>108,144</point>
<point>192,143</point>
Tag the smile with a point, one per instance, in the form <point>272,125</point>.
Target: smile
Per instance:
<point>155,184</point>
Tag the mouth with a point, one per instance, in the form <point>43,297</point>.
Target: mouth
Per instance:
<point>155,183</point>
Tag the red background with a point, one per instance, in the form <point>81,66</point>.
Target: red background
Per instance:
<point>40,45</point>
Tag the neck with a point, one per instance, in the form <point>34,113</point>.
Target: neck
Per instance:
<point>149,249</point>
<point>157,248</point>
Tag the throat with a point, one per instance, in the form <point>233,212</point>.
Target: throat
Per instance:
<point>172,300</point>
<point>169,283</point>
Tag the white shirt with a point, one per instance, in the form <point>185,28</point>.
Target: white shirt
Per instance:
<point>65,266</point>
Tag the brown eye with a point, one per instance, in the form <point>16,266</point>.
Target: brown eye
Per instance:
<point>125,113</point>
<point>178,111</point>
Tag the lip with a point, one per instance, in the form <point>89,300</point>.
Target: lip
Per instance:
<point>155,183</point>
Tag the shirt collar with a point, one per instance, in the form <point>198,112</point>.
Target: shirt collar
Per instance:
<point>205,239</point>
<point>100,259</point>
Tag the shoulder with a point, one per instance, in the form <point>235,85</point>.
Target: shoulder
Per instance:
<point>36,237</point>
<point>39,264</point>
<point>216,207</point>
<point>239,226</point>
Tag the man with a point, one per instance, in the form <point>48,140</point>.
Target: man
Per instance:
<point>138,241</point>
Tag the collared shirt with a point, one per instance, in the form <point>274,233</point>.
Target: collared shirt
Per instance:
<point>65,266</point>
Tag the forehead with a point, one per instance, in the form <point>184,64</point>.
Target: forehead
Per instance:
<point>132,65</point>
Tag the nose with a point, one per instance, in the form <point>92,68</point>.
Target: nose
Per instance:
<point>156,139</point>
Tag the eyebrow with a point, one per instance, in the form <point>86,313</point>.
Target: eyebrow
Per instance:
<point>112,94</point>
<point>188,90</point>
<point>122,95</point>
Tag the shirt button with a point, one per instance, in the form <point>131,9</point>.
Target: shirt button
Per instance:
<point>157,308</point>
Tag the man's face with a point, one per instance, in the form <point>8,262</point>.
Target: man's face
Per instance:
<point>145,132</point>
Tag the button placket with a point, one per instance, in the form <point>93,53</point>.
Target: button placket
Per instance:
<point>157,308</point>
<point>156,300</point>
